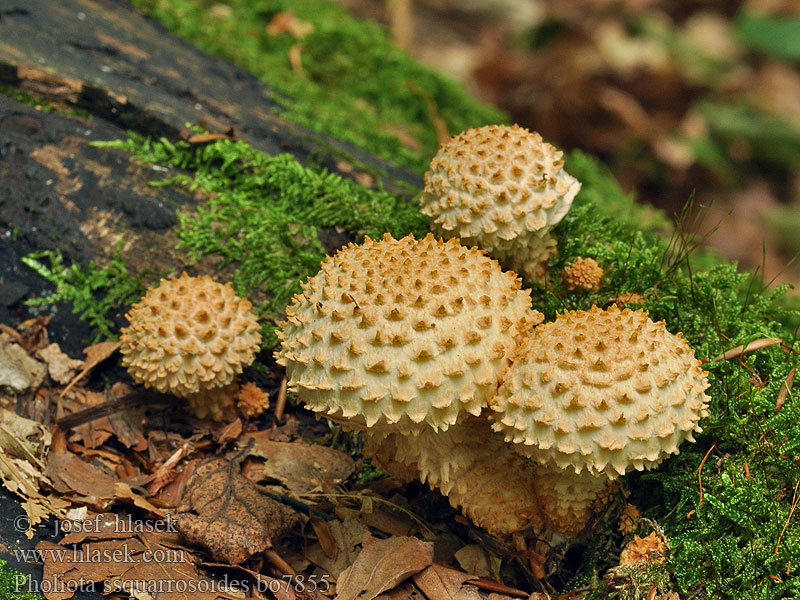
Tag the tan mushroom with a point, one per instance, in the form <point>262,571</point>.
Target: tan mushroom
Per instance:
<point>503,189</point>
<point>400,335</point>
<point>188,336</point>
<point>407,340</point>
<point>597,394</point>
<point>471,465</point>
<point>583,274</point>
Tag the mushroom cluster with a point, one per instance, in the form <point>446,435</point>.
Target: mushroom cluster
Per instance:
<point>503,189</point>
<point>190,337</point>
<point>431,350</point>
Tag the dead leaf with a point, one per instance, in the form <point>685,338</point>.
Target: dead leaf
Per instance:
<point>124,492</point>
<point>347,535</point>
<point>228,432</point>
<point>18,371</point>
<point>299,466</point>
<point>69,474</point>
<point>786,388</point>
<point>754,345</point>
<point>474,560</point>
<point>95,354</point>
<point>233,519</point>
<point>142,567</point>
<point>442,583</point>
<point>60,366</point>
<point>23,438</point>
<point>381,565</point>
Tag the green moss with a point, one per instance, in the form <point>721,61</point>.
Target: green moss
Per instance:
<point>40,103</point>
<point>354,84</point>
<point>267,214</point>
<point>12,583</point>
<point>94,292</point>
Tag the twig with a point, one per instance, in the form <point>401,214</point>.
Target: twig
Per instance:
<point>114,405</point>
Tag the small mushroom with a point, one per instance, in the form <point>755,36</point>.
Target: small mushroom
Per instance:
<point>188,336</point>
<point>583,274</point>
<point>503,189</point>
<point>594,395</point>
<point>401,335</point>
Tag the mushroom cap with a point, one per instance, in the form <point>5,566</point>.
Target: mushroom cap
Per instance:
<point>567,499</point>
<point>189,334</point>
<point>497,187</point>
<point>472,466</point>
<point>398,335</point>
<point>605,391</point>
<point>584,274</point>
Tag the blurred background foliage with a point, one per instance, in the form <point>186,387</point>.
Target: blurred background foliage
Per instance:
<point>676,97</point>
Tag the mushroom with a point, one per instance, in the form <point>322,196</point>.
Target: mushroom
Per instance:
<point>583,274</point>
<point>471,465</point>
<point>503,189</point>
<point>400,335</point>
<point>189,336</point>
<point>594,395</point>
<point>407,340</point>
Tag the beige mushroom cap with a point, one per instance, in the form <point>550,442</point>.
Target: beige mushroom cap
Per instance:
<point>605,391</point>
<point>396,335</point>
<point>500,188</point>
<point>189,334</point>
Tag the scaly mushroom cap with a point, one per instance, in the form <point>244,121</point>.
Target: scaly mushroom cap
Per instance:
<point>472,466</point>
<point>396,335</point>
<point>189,334</point>
<point>500,188</point>
<point>584,274</point>
<point>605,391</point>
<point>567,499</point>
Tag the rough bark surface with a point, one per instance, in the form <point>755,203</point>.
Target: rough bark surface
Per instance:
<point>128,73</point>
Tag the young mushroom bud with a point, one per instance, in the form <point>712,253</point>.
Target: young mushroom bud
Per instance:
<point>188,336</point>
<point>599,393</point>
<point>400,335</point>
<point>502,189</point>
<point>583,274</point>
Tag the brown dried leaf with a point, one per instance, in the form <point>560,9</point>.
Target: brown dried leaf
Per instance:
<point>381,565</point>
<point>442,583</point>
<point>69,474</point>
<point>141,566</point>
<point>784,391</point>
<point>234,520</point>
<point>474,560</point>
<point>60,366</point>
<point>95,354</point>
<point>299,466</point>
<point>347,535</point>
<point>228,432</point>
<point>752,346</point>
<point>124,492</point>
<point>18,371</point>
<point>127,427</point>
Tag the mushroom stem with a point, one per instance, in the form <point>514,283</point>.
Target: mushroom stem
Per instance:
<point>472,466</point>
